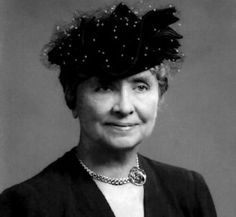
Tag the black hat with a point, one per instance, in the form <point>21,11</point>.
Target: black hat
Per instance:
<point>116,43</point>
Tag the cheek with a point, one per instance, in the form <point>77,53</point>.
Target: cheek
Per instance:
<point>92,110</point>
<point>148,108</point>
<point>152,110</point>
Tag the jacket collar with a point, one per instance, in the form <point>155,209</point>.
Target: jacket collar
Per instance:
<point>90,201</point>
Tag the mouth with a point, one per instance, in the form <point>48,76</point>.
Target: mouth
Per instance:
<point>122,126</point>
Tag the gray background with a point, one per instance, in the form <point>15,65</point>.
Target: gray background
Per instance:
<point>196,123</point>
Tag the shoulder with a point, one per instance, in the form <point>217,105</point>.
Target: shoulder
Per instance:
<point>178,181</point>
<point>54,174</point>
<point>38,192</point>
<point>19,200</point>
<point>171,173</point>
<point>185,187</point>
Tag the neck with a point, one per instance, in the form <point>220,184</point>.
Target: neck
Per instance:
<point>106,161</point>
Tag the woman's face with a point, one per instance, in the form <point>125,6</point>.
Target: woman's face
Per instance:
<point>118,114</point>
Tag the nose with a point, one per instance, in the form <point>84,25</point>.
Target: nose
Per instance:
<point>123,105</point>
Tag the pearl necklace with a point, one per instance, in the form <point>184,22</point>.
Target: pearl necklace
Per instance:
<point>136,175</point>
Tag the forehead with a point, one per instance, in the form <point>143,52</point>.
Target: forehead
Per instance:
<point>145,75</point>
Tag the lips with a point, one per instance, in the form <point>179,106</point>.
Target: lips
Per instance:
<point>118,124</point>
<point>122,126</point>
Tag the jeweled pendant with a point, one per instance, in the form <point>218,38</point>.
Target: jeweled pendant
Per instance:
<point>137,176</point>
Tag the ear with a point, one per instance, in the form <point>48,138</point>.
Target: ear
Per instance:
<point>74,113</point>
<point>161,101</point>
<point>161,104</point>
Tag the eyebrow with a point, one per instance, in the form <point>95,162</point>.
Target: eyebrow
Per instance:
<point>102,80</point>
<point>140,78</point>
<point>134,78</point>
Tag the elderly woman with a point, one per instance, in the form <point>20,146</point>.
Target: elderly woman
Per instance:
<point>113,70</point>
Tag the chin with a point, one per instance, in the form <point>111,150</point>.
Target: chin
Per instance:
<point>123,143</point>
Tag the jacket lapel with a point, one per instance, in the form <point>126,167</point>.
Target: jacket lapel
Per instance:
<point>89,200</point>
<point>156,200</point>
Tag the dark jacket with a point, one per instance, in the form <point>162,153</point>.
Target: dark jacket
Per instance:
<point>64,189</point>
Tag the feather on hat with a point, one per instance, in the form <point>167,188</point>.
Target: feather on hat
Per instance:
<point>115,44</point>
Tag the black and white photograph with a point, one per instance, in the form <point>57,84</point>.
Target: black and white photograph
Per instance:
<point>114,108</point>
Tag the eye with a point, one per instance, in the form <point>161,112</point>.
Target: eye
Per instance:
<point>142,87</point>
<point>103,88</point>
